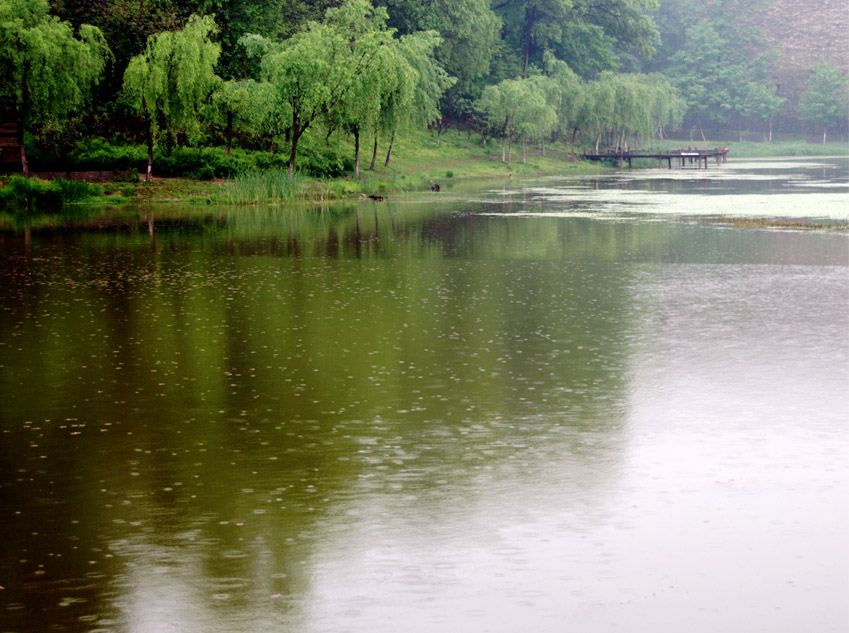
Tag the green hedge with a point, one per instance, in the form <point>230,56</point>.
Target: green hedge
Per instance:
<point>203,163</point>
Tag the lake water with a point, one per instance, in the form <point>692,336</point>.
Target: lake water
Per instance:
<point>592,405</point>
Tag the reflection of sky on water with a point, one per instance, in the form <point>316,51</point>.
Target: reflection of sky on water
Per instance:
<point>784,192</point>
<point>826,206</point>
<point>432,422</point>
<point>728,504</point>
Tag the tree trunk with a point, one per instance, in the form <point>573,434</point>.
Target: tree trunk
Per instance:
<point>149,139</point>
<point>296,136</point>
<point>574,134</point>
<point>770,129</point>
<point>824,135</point>
<point>356,130</point>
<point>510,153</point>
<point>597,141</point>
<point>389,151</point>
<point>530,19</point>
<point>524,150</point>
<point>23,149</point>
<point>228,133</point>
<point>503,150</point>
<point>373,154</point>
<point>543,146</point>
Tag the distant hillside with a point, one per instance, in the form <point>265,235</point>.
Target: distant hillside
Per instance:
<point>804,31</point>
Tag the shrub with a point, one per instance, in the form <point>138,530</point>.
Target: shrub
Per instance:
<point>76,190</point>
<point>33,195</point>
<point>205,172</point>
<point>321,161</point>
<point>30,195</point>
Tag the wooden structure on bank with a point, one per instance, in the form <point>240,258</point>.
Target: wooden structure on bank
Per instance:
<point>683,158</point>
<point>10,151</point>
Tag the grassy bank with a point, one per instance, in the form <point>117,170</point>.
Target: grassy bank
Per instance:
<point>419,161</point>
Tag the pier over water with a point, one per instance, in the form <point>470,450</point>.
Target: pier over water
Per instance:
<point>684,158</point>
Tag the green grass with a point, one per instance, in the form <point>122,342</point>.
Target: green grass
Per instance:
<point>418,161</point>
<point>776,223</point>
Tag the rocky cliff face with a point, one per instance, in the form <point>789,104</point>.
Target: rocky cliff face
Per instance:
<point>805,30</point>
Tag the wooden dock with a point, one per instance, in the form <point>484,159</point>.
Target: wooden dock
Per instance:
<point>684,158</point>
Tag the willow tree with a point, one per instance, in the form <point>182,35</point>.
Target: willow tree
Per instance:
<point>596,114</point>
<point>396,104</point>
<point>632,114</point>
<point>359,111</point>
<point>568,96</point>
<point>667,107</point>
<point>420,91</point>
<point>537,114</point>
<point>617,106</point>
<point>170,82</point>
<point>240,105</point>
<point>518,108</point>
<point>499,104</point>
<point>316,70</point>
<point>46,71</point>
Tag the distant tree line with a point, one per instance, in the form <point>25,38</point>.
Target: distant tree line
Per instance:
<point>264,73</point>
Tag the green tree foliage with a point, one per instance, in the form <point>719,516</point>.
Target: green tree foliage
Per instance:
<point>616,107</point>
<point>316,70</point>
<point>706,76</point>
<point>530,27</point>
<point>345,70</point>
<point>714,53</point>
<point>346,65</point>
<point>170,82</point>
<point>235,18</point>
<point>47,72</point>
<point>568,97</point>
<point>126,25</point>
<point>236,105</point>
<point>826,99</point>
<point>519,108</point>
<point>602,35</point>
<point>760,101</point>
<point>589,36</point>
<point>359,111</point>
<point>417,83</point>
<point>469,32</point>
